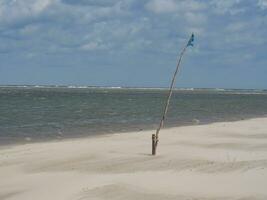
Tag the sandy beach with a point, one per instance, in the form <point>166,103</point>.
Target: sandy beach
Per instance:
<point>226,160</point>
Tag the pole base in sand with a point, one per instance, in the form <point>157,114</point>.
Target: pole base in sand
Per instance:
<point>154,144</point>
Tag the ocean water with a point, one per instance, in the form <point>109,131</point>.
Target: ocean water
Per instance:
<point>34,113</point>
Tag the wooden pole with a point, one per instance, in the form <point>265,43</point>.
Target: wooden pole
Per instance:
<point>155,137</point>
<point>153,144</point>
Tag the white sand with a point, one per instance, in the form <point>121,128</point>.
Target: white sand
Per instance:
<point>216,161</point>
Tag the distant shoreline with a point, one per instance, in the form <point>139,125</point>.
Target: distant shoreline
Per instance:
<point>133,88</point>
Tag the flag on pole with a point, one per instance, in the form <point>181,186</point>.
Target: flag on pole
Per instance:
<point>155,137</point>
<point>191,40</point>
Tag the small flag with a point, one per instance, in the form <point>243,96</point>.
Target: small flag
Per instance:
<point>191,40</point>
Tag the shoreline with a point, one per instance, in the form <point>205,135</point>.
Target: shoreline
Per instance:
<point>223,160</point>
<point>28,140</point>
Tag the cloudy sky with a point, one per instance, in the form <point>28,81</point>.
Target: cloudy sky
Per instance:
<point>133,42</point>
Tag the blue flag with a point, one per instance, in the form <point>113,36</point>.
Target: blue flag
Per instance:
<point>191,40</point>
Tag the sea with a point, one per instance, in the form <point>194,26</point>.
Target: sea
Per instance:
<point>38,113</point>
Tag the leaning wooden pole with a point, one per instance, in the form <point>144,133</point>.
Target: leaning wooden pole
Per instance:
<point>155,137</point>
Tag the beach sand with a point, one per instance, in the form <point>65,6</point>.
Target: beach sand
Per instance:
<point>226,160</point>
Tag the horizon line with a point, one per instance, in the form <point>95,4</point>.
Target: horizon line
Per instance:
<point>121,87</point>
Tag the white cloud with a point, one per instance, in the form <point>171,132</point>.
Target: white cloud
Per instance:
<point>90,46</point>
<point>82,25</point>
<point>91,14</point>
<point>104,3</point>
<point>191,5</point>
<point>262,4</point>
<point>17,10</point>
<point>30,29</point>
<point>161,6</point>
<point>94,45</point>
<point>236,27</point>
<point>226,6</point>
<point>242,34</point>
<point>38,6</point>
<point>170,6</point>
<point>194,18</point>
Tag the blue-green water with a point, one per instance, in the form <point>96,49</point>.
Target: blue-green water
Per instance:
<point>33,113</point>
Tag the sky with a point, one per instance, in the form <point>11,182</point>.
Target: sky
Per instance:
<point>133,43</point>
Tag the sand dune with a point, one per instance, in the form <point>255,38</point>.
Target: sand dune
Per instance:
<point>216,161</point>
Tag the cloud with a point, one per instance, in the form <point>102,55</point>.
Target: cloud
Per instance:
<point>171,6</point>
<point>91,46</point>
<point>227,6</point>
<point>118,26</point>
<point>161,6</point>
<point>29,30</point>
<point>191,5</point>
<point>105,3</point>
<point>14,11</point>
<point>262,4</point>
<point>196,18</point>
<point>94,45</point>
